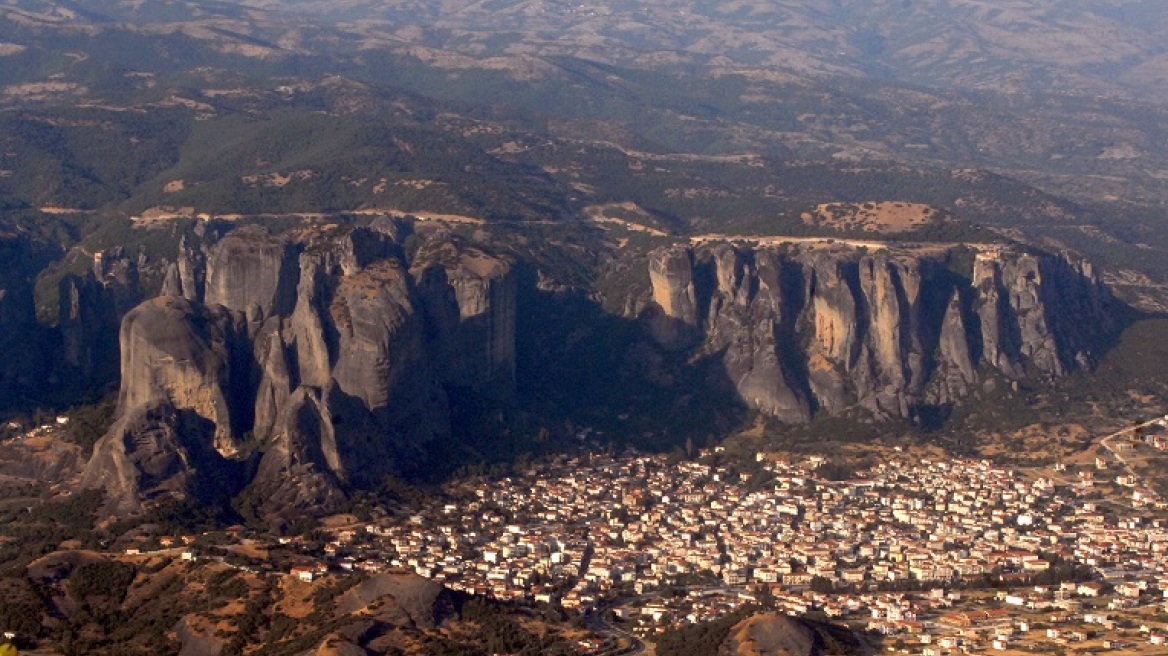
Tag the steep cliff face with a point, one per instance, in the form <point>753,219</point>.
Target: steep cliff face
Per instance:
<point>17,313</point>
<point>187,276</point>
<point>1040,314</point>
<point>157,453</point>
<point>383,383</point>
<point>469,301</point>
<point>90,308</point>
<point>817,329</point>
<point>956,363</point>
<point>16,299</point>
<point>671,273</point>
<point>191,356</point>
<point>318,348</point>
<point>252,272</point>
<point>327,359</point>
<point>299,467</point>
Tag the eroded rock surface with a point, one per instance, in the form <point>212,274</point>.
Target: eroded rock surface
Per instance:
<point>320,356</point>
<point>806,330</point>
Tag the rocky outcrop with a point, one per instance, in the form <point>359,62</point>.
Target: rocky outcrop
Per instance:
<point>84,321</point>
<point>319,353</point>
<point>823,330</point>
<point>469,299</point>
<point>16,299</point>
<point>187,275</point>
<point>326,359</point>
<point>416,602</point>
<point>153,454</point>
<point>1040,315</point>
<point>42,365</point>
<point>191,356</point>
<point>774,634</point>
<point>956,370</point>
<point>298,468</point>
<point>90,308</point>
<point>252,272</point>
<point>674,323</point>
<point>276,382</point>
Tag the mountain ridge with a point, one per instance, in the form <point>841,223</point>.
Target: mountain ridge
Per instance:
<point>317,363</point>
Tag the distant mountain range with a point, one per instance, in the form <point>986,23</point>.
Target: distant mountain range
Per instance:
<point>1105,47</point>
<point>1066,98</point>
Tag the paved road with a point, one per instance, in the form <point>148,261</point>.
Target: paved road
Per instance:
<point>595,621</point>
<point>1106,444</point>
<point>1106,441</point>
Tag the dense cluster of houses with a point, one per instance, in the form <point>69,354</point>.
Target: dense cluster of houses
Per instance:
<point>907,547</point>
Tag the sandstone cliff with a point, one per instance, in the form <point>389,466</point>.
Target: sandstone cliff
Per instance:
<point>90,308</point>
<point>802,331</point>
<point>470,300</point>
<point>191,356</point>
<point>324,356</point>
<point>156,453</point>
<point>252,272</point>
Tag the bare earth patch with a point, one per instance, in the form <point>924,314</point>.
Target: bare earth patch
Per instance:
<point>628,215</point>
<point>39,91</point>
<point>277,179</point>
<point>63,210</point>
<point>159,214</point>
<point>882,217</point>
<point>423,216</point>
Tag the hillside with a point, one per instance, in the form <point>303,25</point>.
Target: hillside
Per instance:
<point>487,311</point>
<point>179,108</point>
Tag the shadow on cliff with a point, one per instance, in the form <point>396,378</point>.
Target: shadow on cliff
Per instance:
<point>596,375</point>
<point>587,379</point>
<point>1131,354</point>
<point>217,479</point>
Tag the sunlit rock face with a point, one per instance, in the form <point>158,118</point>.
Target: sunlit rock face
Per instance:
<point>323,357</point>
<point>805,330</point>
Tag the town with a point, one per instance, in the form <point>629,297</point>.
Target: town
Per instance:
<point>939,556</point>
<point>953,556</point>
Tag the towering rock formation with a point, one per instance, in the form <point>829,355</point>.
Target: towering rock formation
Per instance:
<point>325,359</point>
<point>188,274</point>
<point>191,356</point>
<point>672,275</point>
<point>84,322</point>
<point>469,298</point>
<point>318,352</point>
<point>16,303</point>
<point>956,369</point>
<point>157,453</point>
<point>809,330</point>
<point>252,272</point>
<point>90,308</point>
<point>746,309</point>
<point>299,468</point>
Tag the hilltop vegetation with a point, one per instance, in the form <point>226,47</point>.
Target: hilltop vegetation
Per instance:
<point>217,108</point>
